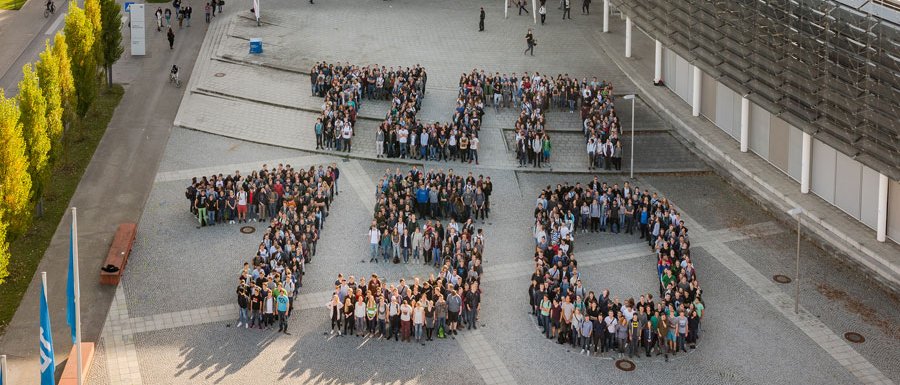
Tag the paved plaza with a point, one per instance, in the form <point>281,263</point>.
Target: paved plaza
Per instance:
<point>173,316</point>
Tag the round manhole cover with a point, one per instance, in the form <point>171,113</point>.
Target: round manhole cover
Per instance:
<point>782,278</point>
<point>248,229</point>
<point>625,365</point>
<point>219,74</point>
<point>854,337</point>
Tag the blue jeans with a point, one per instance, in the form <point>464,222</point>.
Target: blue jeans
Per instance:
<point>418,328</point>
<point>405,252</point>
<point>373,251</point>
<point>436,253</point>
<point>212,217</point>
<point>242,316</point>
<point>471,315</point>
<point>441,323</point>
<point>680,342</point>
<point>545,320</point>
<point>386,253</point>
<point>403,149</point>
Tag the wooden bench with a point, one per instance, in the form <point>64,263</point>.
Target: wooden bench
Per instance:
<point>70,371</point>
<point>118,254</point>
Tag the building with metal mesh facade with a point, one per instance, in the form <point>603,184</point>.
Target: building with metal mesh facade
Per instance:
<point>829,68</point>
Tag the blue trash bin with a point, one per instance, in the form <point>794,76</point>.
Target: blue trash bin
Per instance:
<point>256,45</point>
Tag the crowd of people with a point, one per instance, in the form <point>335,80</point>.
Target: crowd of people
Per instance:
<point>567,311</point>
<point>345,86</point>
<point>295,203</point>
<point>410,213</point>
<point>601,126</point>
<point>420,310</point>
<point>436,141</point>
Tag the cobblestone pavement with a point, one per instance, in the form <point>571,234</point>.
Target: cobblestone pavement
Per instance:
<point>173,315</point>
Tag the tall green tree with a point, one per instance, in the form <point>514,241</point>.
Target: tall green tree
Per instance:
<point>66,81</point>
<point>80,38</point>
<point>15,182</point>
<point>48,75</point>
<point>111,36</point>
<point>33,117</point>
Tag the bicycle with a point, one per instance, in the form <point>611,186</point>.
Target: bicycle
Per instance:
<point>49,9</point>
<point>173,78</point>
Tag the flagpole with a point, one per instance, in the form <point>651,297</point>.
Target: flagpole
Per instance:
<point>77,294</point>
<point>4,370</point>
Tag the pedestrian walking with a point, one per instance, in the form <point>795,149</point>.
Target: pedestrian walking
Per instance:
<point>567,9</point>
<point>585,7</point>
<point>168,14</point>
<point>481,21</point>
<point>543,12</point>
<point>158,14</point>
<point>187,14</point>
<point>529,39</point>
<point>171,36</point>
<point>207,9</point>
<point>521,4</point>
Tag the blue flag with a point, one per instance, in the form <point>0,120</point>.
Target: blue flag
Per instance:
<point>70,285</point>
<point>48,361</point>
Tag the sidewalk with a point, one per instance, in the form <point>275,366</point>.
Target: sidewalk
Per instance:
<point>113,190</point>
<point>831,228</point>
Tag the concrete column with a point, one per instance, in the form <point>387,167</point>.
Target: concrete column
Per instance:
<point>695,101</point>
<point>627,36</point>
<point>657,65</point>
<point>605,16</point>
<point>805,162</point>
<point>745,123</point>
<point>882,207</point>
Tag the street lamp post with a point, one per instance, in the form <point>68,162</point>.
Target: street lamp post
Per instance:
<point>631,168</point>
<point>797,211</point>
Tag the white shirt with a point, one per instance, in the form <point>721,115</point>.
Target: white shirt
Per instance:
<point>242,198</point>
<point>347,132</point>
<point>373,236</point>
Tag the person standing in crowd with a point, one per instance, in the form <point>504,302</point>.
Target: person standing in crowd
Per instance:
<point>530,42</point>
<point>336,314</point>
<point>283,311</point>
<point>481,21</point>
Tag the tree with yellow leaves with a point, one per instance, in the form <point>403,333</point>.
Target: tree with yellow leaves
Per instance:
<point>33,117</point>
<point>4,251</point>
<point>65,80</point>
<point>15,182</point>
<point>79,31</point>
<point>48,75</point>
